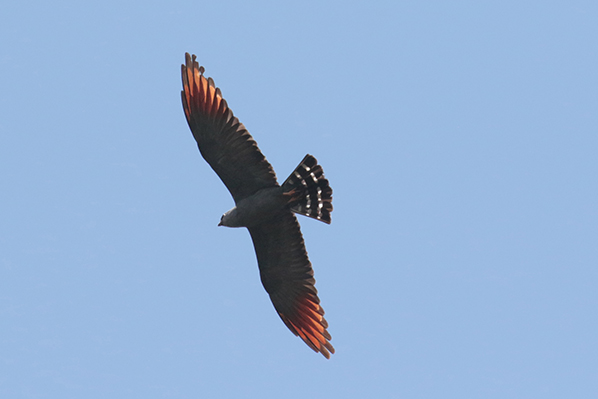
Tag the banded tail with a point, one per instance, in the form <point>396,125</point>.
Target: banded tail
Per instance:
<point>310,192</point>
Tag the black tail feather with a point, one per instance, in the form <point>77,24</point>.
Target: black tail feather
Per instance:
<point>310,193</point>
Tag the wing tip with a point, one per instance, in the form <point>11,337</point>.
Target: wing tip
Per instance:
<point>310,325</point>
<point>203,98</point>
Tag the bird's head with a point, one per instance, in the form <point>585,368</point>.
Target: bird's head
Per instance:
<point>230,219</point>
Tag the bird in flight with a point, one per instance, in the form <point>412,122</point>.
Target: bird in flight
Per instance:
<point>263,206</point>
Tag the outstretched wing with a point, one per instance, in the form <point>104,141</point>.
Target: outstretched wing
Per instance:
<point>287,276</point>
<point>223,141</point>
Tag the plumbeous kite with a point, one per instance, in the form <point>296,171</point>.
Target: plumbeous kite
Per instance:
<point>263,206</point>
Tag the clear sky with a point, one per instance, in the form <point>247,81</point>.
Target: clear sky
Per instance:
<point>460,139</point>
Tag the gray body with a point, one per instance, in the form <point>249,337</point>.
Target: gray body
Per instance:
<point>255,209</point>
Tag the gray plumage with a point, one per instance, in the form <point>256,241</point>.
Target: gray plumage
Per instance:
<point>263,206</point>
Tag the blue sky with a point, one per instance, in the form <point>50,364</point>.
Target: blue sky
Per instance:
<point>460,139</point>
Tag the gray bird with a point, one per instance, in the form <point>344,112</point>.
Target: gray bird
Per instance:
<point>263,206</point>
